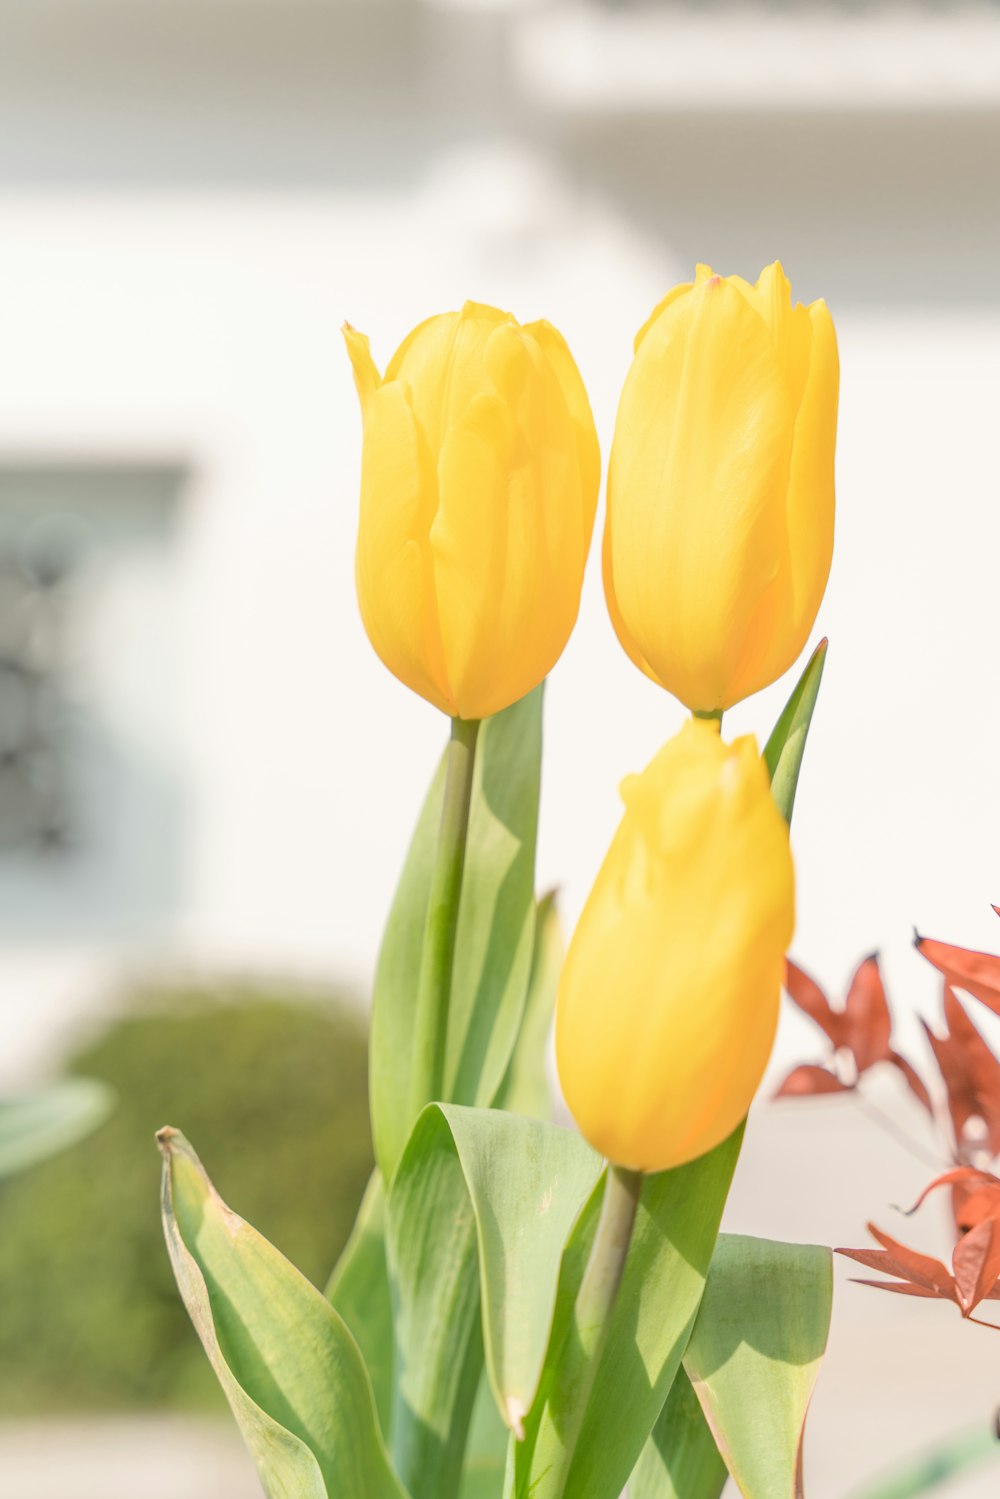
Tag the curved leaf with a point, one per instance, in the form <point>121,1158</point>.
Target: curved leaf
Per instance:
<point>289,1367</point>
<point>526,1088</point>
<point>39,1124</point>
<point>665,1274</point>
<point>680,1460</point>
<point>481,1199</point>
<point>755,1353</point>
<point>486,1450</point>
<point>786,746</point>
<point>359,1290</point>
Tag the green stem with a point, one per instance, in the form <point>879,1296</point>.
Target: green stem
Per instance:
<point>714,715</point>
<point>562,1419</point>
<point>434,984</point>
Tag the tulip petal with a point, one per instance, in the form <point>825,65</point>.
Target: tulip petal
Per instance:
<point>669,998</point>
<point>703,273</point>
<point>468,545</point>
<point>811,478</point>
<point>626,639</point>
<point>393,568</point>
<point>477,507</point>
<point>508,540</point>
<point>366,376</point>
<point>787,322</point>
<point>556,351</point>
<point>440,362</point>
<point>696,491</point>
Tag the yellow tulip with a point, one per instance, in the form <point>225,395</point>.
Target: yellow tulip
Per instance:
<point>479,477</point>
<point>668,1000</point>
<point>720,487</point>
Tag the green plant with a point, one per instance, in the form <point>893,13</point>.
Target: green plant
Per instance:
<point>455,1354</point>
<point>91,1318</point>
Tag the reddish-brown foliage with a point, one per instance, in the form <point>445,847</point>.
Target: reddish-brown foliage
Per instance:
<point>978,973</point>
<point>971,1076</point>
<point>859,1032</point>
<point>975,1261</point>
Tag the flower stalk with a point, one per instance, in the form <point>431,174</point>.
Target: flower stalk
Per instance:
<point>562,1420</point>
<point>434,984</point>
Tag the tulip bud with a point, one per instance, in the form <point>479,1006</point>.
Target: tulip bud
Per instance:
<point>720,487</point>
<point>668,1001</point>
<point>479,477</point>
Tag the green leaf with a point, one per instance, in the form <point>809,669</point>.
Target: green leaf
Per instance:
<point>479,1197</point>
<point>431,1248</point>
<point>359,1290</point>
<point>526,1087</point>
<point>786,746</point>
<point>42,1123</point>
<point>290,1369</point>
<point>486,1450</point>
<point>680,1460</point>
<point>665,1274</point>
<point>493,941</point>
<point>496,919</point>
<point>394,996</point>
<point>754,1356</point>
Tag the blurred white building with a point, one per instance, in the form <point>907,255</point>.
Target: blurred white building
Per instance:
<point>201,761</point>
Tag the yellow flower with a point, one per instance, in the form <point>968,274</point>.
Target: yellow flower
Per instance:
<point>479,477</point>
<point>668,1000</point>
<point>720,487</point>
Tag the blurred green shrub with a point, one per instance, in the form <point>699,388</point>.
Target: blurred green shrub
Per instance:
<point>273,1094</point>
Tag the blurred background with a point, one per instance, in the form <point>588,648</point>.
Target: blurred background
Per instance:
<point>207,781</point>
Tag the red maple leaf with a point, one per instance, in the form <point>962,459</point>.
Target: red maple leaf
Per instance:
<point>971,1075</point>
<point>860,1030</point>
<point>978,973</point>
<point>975,1264</point>
<point>976,1195</point>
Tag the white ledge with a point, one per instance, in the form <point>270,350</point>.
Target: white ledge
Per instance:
<point>574,56</point>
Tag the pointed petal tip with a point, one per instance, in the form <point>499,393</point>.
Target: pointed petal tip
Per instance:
<point>366,376</point>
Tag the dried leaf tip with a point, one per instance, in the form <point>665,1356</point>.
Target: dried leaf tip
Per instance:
<point>515,1415</point>
<point>165,1138</point>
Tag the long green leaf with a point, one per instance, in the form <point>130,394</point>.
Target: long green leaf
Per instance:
<point>486,1451</point>
<point>480,1197</point>
<point>496,919</point>
<point>493,941</point>
<point>39,1124</point>
<point>680,1460</point>
<point>290,1369</point>
<point>665,1274</point>
<point>526,1087</point>
<point>431,1249</point>
<point>359,1290</point>
<point>755,1353</point>
<point>786,746</point>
